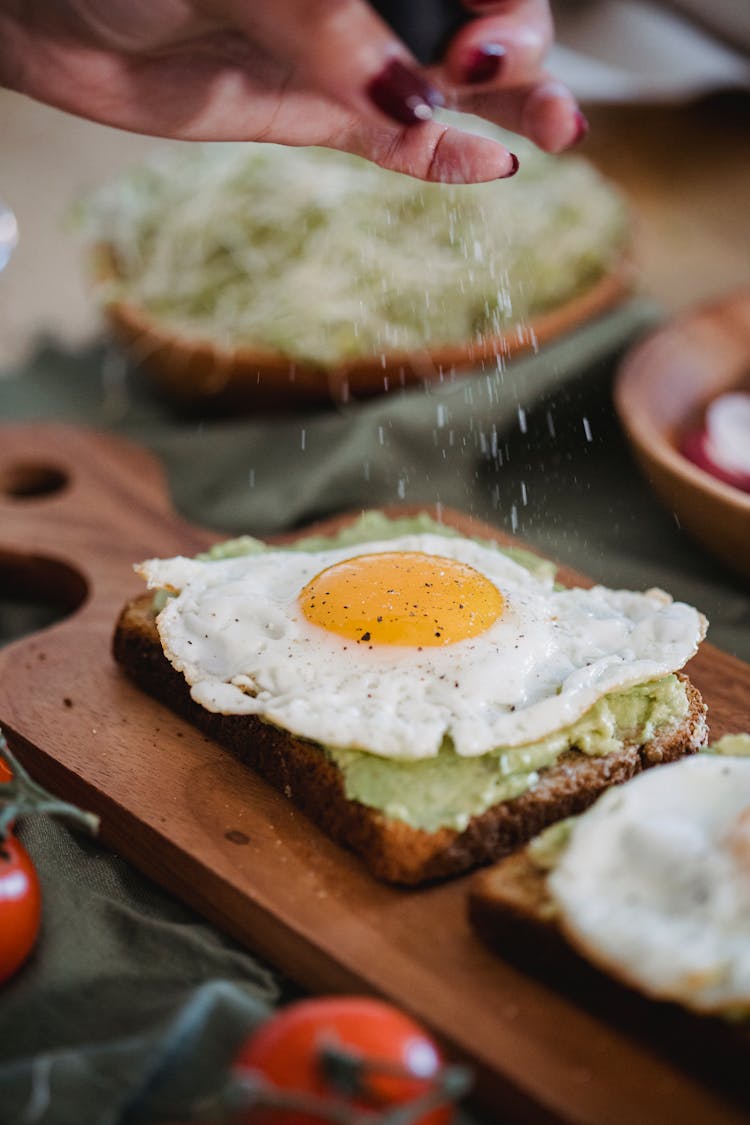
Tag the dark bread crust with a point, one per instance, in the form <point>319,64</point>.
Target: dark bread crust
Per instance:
<point>391,849</point>
<point>510,907</point>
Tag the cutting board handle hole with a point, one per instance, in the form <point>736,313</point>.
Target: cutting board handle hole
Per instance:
<point>36,592</point>
<point>29,480</point>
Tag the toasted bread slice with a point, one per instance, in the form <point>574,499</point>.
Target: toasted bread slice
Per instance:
<point>511,910</point>
<point>513,904</point>
<point>392,850</point>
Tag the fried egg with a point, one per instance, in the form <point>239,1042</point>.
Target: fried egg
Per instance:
<point>654,884</point>
<point>395,645</point>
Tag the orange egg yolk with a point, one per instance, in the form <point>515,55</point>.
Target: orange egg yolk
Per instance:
<point>402,598</point>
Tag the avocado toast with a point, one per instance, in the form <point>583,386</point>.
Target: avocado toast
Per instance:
<point>416,819</point>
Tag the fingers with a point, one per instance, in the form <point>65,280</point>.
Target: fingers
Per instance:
<point>496,64</point>
<point>505,44</point>
<point>341,48</point>
<point>345,51</point>
<point>545,111</point>
<point>437,153</point>
<point>341,51</point>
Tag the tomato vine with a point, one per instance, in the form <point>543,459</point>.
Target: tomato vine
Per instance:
<point>20,891</point>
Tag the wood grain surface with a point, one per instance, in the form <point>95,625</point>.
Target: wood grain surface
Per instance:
<point>77,509</point>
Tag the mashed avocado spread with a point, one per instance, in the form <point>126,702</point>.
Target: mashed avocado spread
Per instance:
<point>731,745</point>
<point>325,257</point>
<point>448,790</point>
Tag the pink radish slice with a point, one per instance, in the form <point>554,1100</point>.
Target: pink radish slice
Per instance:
<point>722,446</point>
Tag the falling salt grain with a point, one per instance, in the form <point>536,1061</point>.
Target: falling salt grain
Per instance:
<point>115,398</point>
<point>587,428</point>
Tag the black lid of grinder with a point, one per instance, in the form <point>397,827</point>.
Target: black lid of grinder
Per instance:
<point>425,26</point>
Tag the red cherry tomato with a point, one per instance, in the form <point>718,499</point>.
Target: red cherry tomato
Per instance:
<point>20,905</point>
<point>5,773</point>
<point>287,1050</point>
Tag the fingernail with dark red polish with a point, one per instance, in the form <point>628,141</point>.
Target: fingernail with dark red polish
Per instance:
<point>484,63</point>
<point>515,165</point>
<point>403,94</point>
<point>582,128</point>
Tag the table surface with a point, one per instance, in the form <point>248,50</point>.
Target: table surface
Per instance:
<point>691,243</point>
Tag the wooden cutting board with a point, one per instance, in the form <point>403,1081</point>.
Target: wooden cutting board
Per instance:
<point>77,508</point>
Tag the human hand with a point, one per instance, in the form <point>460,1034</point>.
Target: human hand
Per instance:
<point>295,72</point>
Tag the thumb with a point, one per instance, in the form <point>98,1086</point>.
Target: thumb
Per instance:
<point>341,48</point>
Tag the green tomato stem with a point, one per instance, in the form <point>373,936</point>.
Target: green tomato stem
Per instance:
<point>250,1089</point>
<point>350,1074</point>
<point>22,796</point>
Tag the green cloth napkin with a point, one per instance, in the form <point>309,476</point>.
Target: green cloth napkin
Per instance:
<point>131,1005</point>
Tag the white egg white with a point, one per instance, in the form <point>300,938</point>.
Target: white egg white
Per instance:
<point>654,884</point>
<point>236,631</point>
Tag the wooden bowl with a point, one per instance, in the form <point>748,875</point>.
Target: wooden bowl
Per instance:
<point>200,374</point>
<point>661,390</point>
